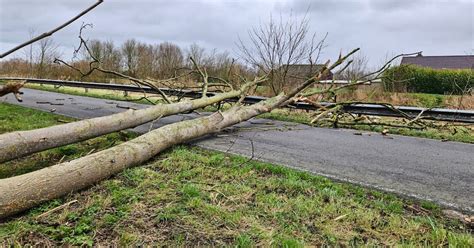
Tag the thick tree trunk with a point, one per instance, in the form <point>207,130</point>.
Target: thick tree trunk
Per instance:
<point>18,144</point>
<point>25,191</point>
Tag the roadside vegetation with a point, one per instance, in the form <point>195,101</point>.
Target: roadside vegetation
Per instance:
<point>424,100</point>
<point>189,196</point>
<point>428,80</point>
<point>375,94</point>
<point>454,133</point>
<point>463,133</point>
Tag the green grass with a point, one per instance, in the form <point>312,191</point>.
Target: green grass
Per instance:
<point>429,100</point>
<point>13,118</point>
<point>193,197</point>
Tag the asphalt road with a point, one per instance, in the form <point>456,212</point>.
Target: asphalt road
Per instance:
<point>442,172</point>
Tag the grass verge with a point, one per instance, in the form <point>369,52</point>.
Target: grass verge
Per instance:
<point>193,197</point>
<point>457,133</point>
<point>14,118</point>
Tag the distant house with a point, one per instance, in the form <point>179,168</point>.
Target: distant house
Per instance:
<point>452,62</point>
<point>306,71</point>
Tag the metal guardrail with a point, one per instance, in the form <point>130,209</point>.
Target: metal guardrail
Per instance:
<point>466,116</point>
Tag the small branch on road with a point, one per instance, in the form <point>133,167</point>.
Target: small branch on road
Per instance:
<point>251,157</point>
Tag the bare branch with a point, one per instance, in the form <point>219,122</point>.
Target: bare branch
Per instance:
<point>387,65</point>
<point>95,65</point>
<point>204,75</point>
<point>47,34</point>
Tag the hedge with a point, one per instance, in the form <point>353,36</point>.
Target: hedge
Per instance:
<point>427,80</point>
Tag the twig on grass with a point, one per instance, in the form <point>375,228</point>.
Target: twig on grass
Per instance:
<point>67,204</point>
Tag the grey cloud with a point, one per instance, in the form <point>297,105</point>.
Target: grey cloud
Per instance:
<point>323,6</point>
<point>380,27</point>
<point>394,5</point>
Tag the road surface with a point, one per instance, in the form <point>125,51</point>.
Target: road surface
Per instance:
<point>442,172</point>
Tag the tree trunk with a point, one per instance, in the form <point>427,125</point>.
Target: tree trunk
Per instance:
<point>25,191</point>
<point>18,144</point>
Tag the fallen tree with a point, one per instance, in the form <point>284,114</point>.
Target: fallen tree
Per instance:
<point>22,192</point>
<point>18,144</point>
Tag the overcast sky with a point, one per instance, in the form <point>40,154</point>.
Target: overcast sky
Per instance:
<point>380,27</point>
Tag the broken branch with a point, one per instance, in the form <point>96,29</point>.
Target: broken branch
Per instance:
<point>47,34</point>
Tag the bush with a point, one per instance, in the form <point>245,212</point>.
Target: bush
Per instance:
<point>427,80</point>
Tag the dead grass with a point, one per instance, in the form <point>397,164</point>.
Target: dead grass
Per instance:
<point>443,131</point>
<point>465,102</point>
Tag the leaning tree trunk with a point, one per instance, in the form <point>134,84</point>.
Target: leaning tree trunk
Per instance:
<point>18,144</point>
<point>25,191</point>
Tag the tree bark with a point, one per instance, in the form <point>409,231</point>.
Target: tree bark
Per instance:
<point>25,191</point>
<point>18,144</point>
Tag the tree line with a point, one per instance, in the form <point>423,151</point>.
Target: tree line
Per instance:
<point>134,58</point>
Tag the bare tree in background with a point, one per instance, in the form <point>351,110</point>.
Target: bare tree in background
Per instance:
<point>28,51</point>
<point>198,53</point>
<point>146,55</point>
<point>170,58</point>
<point>111,56</point>
<point>96,49</point>
<point>106,52</point>
<point>356,69</point>
<point>46,52</point>
<point>277,45</point>
<point>130,56</point>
